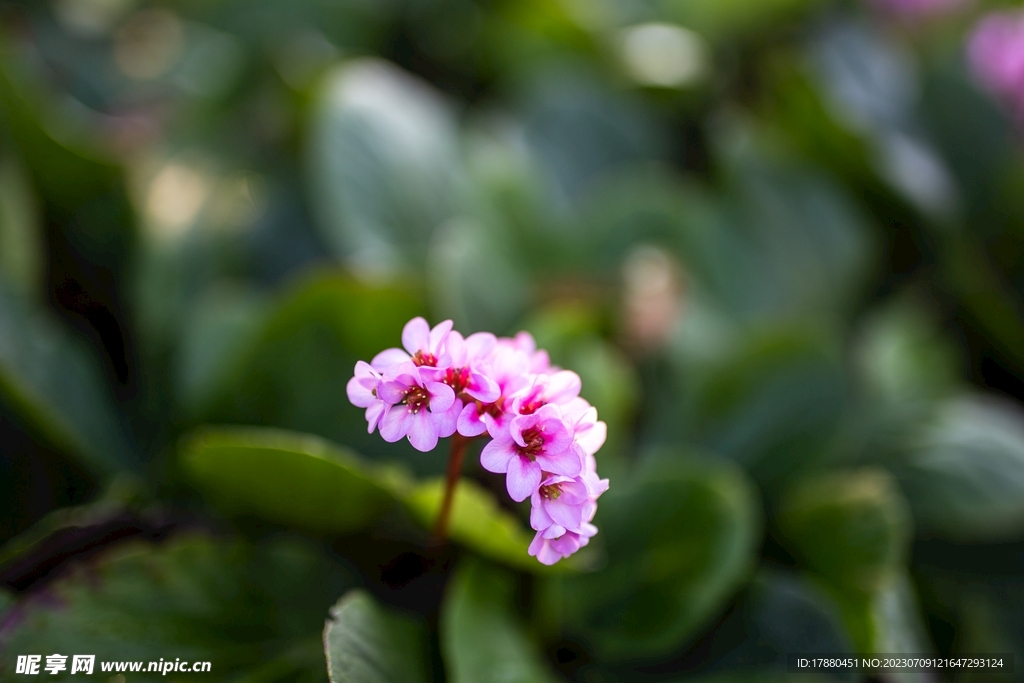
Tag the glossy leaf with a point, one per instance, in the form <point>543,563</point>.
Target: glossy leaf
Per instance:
<point>476,522</point>
<point>780,613</point>
<point>21,239</point>
<point>292,373</point>
<point>482,639</point>
<point>681,538</point>
<point>384,164</point>
<point>296,480</point>
<point>192,598</point>
<point>853,528</point>
<point>367,643</point>
<point>53,384</point>
<point>964,472</point>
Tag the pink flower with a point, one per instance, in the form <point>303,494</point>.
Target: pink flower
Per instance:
<point>464,376</point>
<point>417,408</point>
<point>995,52</point>
<point>561,502</point>
<point>543,435</point>
<point>362,392</point>
<point>551,550</point>
<point>423,346</point>
<point>559,388</point>
<point>589,432</point>
<point>534,444</point>
<point>538,361</point>
<point>509,368</point>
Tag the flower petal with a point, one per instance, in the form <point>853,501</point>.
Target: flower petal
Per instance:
<point>388,358</point>
<point>358,394</point>
<point>522,479</point>
<point>563,387</point>
<point>496,455</point>
<point>483,388</point>
<point>441,396</point>
<point>373,414</point>
<point>565,514</point>
<point>567,463</point>
<point>396,423</point>
<point>416,335</point>
<point>592,439</point>
<point>438,335</point>
<point>446,422</point>
<point>422,434</point>
<point>392,391</point>
<point>469,422</point>
<point>539,517</point>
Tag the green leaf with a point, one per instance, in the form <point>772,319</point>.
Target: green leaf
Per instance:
<point>779,613</point>
<point>292,373</point>
<point>366,643</point>
<point>773,403</point>
<point>852,528</point>
<point>902,355</point>
<point>885,619</point>
<point>22,252</point>
<point>681,537</point>
<point>292,479</point>
<point>194,598</point>
<point>6,601</point>
<point>52,383</point>
<point>722,19</point>
<point>964,471</point>
<point>383,163</point>
<point>222,323</point>
<point>481,638</point>
<point>476,522</point>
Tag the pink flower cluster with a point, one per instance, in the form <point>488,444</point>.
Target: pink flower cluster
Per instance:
<point>996,55</point>
<point>543,435</point>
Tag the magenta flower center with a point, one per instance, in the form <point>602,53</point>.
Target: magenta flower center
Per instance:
<point>457,379</point>
<point>416,398</point>
<point>551,491</point>
<point>420,359</point>
<point>534,438</point>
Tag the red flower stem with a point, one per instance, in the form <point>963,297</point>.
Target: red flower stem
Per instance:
<point>458,452</point>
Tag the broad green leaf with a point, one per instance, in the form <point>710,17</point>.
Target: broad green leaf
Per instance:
<point>852,528</point>
<point>384,164</point>
<point>481,638</point>
<point>296,480</point>
<point>964,472</point>
<point>902,355</point>
<point>193,598</point>
<point>53,384</point>
<point>773,403</point>
<point>367,643</point>
<point>292,373</point>
<point>22,252</point>
<point>474,276</point>
<point>221,324</point>
<point>681,537</point>
<point>722,19</point>
<point>778,614</point>
<point>476,522</point>
<point>885,619</point>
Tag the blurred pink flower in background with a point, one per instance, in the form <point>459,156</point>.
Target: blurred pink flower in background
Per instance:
<point>995,52</point>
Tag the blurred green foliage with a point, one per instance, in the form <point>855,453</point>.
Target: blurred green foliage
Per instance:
<point>780,241</point>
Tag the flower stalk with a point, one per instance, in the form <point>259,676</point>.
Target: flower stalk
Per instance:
<point>455,457</point>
